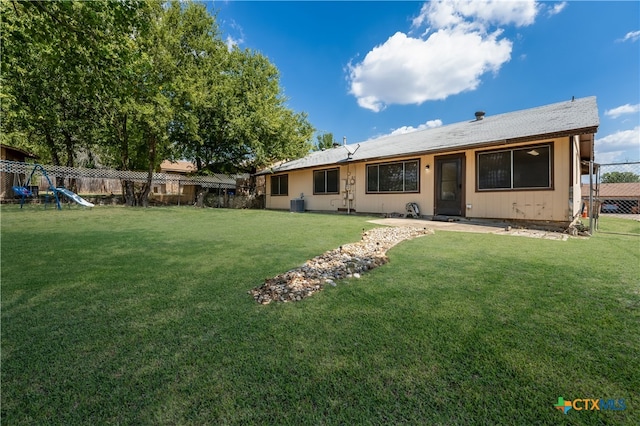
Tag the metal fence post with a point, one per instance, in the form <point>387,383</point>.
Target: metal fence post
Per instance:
<point>591,198</point>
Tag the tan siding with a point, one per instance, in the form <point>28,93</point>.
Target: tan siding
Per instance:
<point>538,205</point>
<point>395,203</point>
<point>549,205</point>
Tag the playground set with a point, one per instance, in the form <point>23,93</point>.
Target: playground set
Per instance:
<point>24,191</point>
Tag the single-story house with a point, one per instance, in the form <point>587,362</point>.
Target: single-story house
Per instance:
<point>178,181</point>
<point>182,168</point>
<point>522,166</point>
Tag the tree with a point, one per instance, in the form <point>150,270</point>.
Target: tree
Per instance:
<point>56,62</point>
<point>620,177</point>
<point>243,122</point>
<point>140,81</point>
<point>325,141</point>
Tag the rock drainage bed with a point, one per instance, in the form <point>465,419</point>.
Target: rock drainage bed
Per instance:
<point>347,261</point>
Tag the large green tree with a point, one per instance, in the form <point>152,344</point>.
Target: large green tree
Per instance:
<point>57,59</point>
<point>620,177</point>
<point>145,108</point>
<point>140,81</point>
<point>243,121</point>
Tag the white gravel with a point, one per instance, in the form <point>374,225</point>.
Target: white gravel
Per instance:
<point>347,261</point>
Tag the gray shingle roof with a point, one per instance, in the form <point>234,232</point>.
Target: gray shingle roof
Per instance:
<point>573,117</point>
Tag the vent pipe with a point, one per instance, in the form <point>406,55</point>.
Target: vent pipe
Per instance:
<point>479,115</point>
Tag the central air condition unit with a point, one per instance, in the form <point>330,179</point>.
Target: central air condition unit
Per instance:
<point>297,205</point>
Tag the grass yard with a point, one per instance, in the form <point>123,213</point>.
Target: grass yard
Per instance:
<point>617,225</point>
<point>141,316</point>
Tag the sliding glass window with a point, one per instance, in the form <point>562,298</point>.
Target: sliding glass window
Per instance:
<point>519,168</point>
<point>401,176</point>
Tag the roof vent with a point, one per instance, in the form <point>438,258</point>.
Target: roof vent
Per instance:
<point>479,115</point>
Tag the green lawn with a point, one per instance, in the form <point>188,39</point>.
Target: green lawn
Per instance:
<point>141,316</point>
<point>613,224</point>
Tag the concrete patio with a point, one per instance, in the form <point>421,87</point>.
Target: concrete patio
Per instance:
<point>480,227</point>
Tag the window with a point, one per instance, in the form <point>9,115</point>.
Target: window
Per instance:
<point>326,181</point>
<point>280,185</point>
<point>521,168</point>
<point>402,176</point>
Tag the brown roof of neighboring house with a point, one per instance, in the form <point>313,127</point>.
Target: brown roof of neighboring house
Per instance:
<point>177,167</point>
<point>613,190</point>
<point>18,150</point>
<point>186,167</point>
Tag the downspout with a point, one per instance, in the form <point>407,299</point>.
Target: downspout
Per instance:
<point>591,196</point>
<point>596,191</point>
<point>347,185</point>
<point>591,210</point>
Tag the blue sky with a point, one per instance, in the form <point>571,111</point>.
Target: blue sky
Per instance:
<point>365,69</point>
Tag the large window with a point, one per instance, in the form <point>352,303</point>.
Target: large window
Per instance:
<point>326,181</point>
<point>401,176</point>
<point>520,168</point>
<point>280,185</point>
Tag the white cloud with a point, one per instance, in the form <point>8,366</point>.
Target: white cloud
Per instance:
<point>477,14</point>
<point>406,70</point>
<point>624,109</point>
<point>623,145</point>
<point>557,8</point>
<point>408,129</point>
<point>458,48</point>
<point>231,41</point>
<point>632,36</point>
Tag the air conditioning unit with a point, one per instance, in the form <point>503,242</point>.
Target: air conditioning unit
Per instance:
<point>297,205</point>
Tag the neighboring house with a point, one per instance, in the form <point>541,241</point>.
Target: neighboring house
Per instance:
<point>173,187</point>
<point>8,180</point>
<point>622,198</point>
<point>524,165</point>
<point>178,181</point>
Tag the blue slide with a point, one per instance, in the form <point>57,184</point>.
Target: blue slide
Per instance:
<point>75,197</point>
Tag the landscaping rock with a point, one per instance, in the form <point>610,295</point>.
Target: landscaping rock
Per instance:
<point>347,261</point>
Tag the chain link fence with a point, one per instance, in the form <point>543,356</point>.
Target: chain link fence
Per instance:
<point>616,194</point>
<point>104,186</point>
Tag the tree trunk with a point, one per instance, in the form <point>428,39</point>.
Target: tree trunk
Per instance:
<point>69,145</point>
<point>129,193</point>
<point>146,189</point>
<point>252,181</point>
<point>128,186</point>
<point>59,181</point>
<point>124,143</point>
<point>201,194</point>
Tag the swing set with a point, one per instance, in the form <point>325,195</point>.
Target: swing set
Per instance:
<point>23,191</point>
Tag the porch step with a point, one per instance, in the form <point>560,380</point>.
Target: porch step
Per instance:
<point>443,218</point>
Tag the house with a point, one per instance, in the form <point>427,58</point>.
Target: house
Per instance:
<point>182,168</point>
<point>177,182</point>
<point>10,179</point>
<point>522,166</point>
